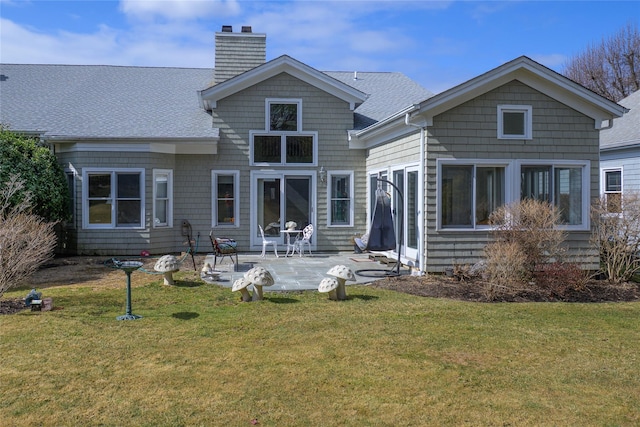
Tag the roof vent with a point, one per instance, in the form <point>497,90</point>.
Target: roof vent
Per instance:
<point>227,29</point>
<point>246,29</point>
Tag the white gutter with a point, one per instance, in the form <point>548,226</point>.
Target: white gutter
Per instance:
<point>423,142</point>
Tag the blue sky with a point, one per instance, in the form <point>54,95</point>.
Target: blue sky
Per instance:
<point>437,43</point>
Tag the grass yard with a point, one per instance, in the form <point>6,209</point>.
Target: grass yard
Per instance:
<point>382,358</point>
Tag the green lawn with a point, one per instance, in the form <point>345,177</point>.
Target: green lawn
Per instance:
<point>200,357</point>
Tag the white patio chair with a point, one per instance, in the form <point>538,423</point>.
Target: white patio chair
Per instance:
<point>307,232</point>
<point>266,243</point>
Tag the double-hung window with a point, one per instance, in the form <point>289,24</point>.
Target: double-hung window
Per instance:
<point>162,198</point>
<point>613,190</point>
<point>225,198</point>
<point>469,193</point>
<point>515,122</point>
<point>283,142</point>
<point>341,198</point>
<point>113,198</point>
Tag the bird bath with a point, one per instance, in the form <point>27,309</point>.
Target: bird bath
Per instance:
<point>128,267</point>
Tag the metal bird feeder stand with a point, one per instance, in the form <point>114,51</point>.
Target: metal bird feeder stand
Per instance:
<point>128,267</point>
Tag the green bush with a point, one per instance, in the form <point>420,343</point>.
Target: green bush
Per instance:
<point>37,167</point>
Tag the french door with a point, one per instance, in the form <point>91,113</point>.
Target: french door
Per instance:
<point>281,197</point>
<point>405,210</point>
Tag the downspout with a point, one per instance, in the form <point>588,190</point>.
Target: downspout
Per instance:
<point>422,256</point>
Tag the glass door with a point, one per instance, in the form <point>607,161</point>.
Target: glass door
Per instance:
<point>297,200</point>
<point>407,211</point>
<point>412,202</point>
<point>281,197</point>
<point>269,206</point>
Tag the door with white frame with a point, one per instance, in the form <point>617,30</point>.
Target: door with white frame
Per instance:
<point>406,178</point>
<point>281,196</point>
<point>407,181</point>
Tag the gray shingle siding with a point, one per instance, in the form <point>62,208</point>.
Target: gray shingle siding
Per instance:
<point>469,131</point>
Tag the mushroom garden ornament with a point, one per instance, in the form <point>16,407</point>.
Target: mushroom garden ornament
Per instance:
<point>208,274</point>
<point>290,225</point>
<point>329,284</point>
<point>241,285</point>
<point>167,264</point>
<point>258,277</point>
<point>342,273</point>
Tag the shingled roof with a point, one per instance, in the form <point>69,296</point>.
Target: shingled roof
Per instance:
<point>123,102</point>
<point>626,129</point>
<point>388,94</point>
<point>89,101</point>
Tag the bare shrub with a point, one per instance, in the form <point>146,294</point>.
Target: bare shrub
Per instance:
<point>532,226</point>
<point>561,278</point>
<point>506,268</point>
<point>526,238</point>
<point>464,272</point>
<point>617,235</point>
<point>26,240</point>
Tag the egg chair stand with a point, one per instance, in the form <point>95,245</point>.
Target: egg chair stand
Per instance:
<point>383,232</point>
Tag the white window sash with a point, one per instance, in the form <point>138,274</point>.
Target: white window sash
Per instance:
<point>112,198</point>
<point>349,197</point>
<point>168,173</point>
<point>215,174</point>
<point>527,110</point>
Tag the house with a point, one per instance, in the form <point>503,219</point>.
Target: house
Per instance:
<point>249,143</point>
<point>518,131</point>
<point>620,154</point>
<point>258,142</point>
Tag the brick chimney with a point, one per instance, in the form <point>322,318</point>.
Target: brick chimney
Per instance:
<point>238,52</point>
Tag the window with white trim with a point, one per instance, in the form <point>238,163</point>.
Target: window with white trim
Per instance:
<point>113,198</point>
<point>284,115</point>
<point>561,185</point>
<point>226,196</point>
<point>282,142</point>
<point>470,191</point>
<point>613,190</point>
<point>515,121</point>
<point>340,198</point>
<point>162,198</point>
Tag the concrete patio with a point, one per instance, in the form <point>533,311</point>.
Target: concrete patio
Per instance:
<point>295,273</point>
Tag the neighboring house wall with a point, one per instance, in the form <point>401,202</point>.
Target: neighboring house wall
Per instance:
<point>627,161</point>
<point>620,150</point>
<point>469,131</point>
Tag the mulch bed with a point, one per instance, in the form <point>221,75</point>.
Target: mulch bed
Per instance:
<point>11,306</point>
<point>436,286</point>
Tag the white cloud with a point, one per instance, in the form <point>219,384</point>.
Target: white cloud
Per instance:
<point>178,10</point>
<point>25,45</point>
<point>153,45</point>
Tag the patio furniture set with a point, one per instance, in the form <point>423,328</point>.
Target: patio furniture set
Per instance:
<point>295,239</point>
